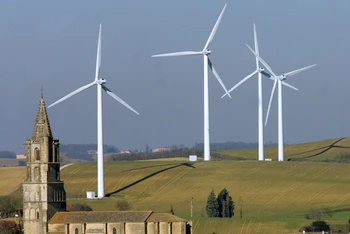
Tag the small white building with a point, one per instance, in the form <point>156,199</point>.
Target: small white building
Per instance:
<point>193,158</point>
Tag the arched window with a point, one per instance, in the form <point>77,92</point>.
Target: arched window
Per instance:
<point>32,214</point>
<point>76,231</point>
<point>36,154</point>
<point>114,230</point>
<point>37,215</point>
<point>26,214</point>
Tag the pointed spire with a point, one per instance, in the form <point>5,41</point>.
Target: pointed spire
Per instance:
<point>42,125</point>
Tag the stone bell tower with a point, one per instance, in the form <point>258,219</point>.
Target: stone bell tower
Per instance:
<point>43,191</point>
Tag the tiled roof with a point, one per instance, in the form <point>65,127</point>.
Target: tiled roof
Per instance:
<point>100,216</point>
<point>164,217</point>
<point>112,217</point>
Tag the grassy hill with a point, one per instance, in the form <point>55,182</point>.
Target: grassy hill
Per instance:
<point>275,195</point>
<point>311,151</point>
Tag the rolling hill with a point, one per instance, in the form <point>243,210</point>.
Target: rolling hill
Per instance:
<point>311,151</point>
<point>275,196</point>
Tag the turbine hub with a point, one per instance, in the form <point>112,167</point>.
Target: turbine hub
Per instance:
<point>283,77</point>
<point>261,69</point>
<point>206,52</point>
<point>101,81</point>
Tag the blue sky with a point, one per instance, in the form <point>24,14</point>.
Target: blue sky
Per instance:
<point>53,44</point>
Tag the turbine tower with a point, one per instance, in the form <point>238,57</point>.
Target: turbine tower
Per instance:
<point>207,63</point>
<point>100,83</point>
<point>258,70</point>
<point>279,80</point>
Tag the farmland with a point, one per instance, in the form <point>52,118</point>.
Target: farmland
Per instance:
<point>11,179</point>
<point>275,196</point>
<point>310,151</point>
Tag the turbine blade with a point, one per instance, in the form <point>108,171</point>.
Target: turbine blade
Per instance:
<point>292,73</point>
<point>178,54</point>
<point>267,74</point>
<point>271,97</point>
<point>217,76</point>
<point>239,83</point>
<point>110,93</point>
<point>262,61</point>
<point>256,45</point>
<point>98,57</point>
<point>213,31</point>
<point>290,86</point>
<point>73,93</point>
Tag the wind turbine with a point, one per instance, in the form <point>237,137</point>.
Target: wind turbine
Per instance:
<point>259,71</point>
<point>100,83</point>
<point>207,62</point>
<point>260,110</point>
<point>279,80</point>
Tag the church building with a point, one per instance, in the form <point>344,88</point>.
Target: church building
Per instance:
<point>44,197</point>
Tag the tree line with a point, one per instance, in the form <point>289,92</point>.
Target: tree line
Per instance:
<point>80,151</point>
<point>7,154</point>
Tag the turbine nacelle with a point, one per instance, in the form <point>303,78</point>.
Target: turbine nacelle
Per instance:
<point>206,52</point>
<point>282,77</point>
<point>101,81</point>
<point>261,69</point>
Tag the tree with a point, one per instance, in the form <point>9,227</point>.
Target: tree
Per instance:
<point>212,205</point>
<point>320,226</point>
<point>79,207</point>
<point>9,205</point>
<point>226,205</point>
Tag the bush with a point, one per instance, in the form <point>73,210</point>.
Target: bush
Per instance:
<point>307,228</point>
<point>320,226</point>
<point>79,207</point>
<point>316,226</point>
<point>318,214</point>
<point>9,227</point>
<point>123,205</point>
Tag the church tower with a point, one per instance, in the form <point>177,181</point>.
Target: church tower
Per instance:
<point>43,191</point>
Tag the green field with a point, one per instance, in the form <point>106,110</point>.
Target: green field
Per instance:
<point>275,195</point>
